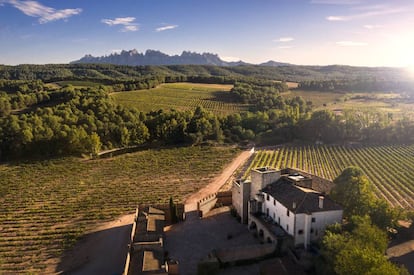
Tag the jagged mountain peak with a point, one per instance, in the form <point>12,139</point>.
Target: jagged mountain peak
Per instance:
<point>155,57</point>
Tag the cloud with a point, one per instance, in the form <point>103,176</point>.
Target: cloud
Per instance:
<point>116,51</point>
<point>351,44</point>
<point>284,39</point>
<point>336,18</point>
<point>285,47</point>
<point>371,27</point>
<point>130,28</point>
<point>119,21</point>
<point>44,13</point>
<point>128,23</point>
<point>369,11</point>
<point>169,27</point>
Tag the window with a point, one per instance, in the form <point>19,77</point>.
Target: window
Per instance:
<point>267,197</point>
<point>313,219</point>
<point>300,231</point>
<point>287,227</point>
<point>274,202</point>
<point>311,230</point>
<point>287,212</point>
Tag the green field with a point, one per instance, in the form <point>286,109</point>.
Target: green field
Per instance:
<point>393,103</point>
<point>389,168</point>
<point>45,205</point>
<point>182,96</point>
<point>318,98</point>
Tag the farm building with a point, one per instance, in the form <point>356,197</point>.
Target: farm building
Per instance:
<point>280,203</point>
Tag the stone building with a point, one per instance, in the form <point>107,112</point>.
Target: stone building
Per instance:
<point>147,254</point>
<point>280,203</point>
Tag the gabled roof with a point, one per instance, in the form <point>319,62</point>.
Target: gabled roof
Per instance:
<point>298,199</point>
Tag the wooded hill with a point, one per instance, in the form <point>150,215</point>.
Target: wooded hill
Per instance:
<point>116,73</point>
<point>50,110</point>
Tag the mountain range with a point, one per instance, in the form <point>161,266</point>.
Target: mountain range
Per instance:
<point>153,57</point>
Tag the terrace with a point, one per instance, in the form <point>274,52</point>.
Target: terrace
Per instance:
<point>265,227</point>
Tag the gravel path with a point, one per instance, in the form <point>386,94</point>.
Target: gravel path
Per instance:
<point>218,182</point>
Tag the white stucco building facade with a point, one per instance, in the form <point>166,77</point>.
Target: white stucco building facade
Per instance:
<point>280,200</point>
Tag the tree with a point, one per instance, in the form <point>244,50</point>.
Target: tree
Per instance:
<point>173,211</point>
<point>94,144</point>
<point>358,248</point>
<point>356,260</point>
<point>353,191</point>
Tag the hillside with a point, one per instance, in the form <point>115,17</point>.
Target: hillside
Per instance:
<point>115,73</point>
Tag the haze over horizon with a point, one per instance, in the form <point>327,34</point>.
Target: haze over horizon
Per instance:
<point>311,32</point>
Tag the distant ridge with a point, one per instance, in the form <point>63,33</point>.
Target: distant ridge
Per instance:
<point>153,57</point>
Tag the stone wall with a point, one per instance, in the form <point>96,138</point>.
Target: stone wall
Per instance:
<point>224,198</point>
<point>207,203</point>
<point>166,209</point>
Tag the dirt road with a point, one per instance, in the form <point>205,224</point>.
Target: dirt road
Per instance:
<point>218,182</point>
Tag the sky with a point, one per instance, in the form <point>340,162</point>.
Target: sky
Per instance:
<point>303,32</point>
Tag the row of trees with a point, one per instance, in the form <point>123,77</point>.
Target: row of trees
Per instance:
<point>347,85</point>
<point>358,246</point>
<point>355,126</point>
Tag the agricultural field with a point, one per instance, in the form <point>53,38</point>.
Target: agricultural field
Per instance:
<point>46,205</point>
<point>318,98</point>
<point>182,96</point>
<point>396,104</point>
<point>389,168</point>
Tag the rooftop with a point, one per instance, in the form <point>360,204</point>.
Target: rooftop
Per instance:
<point>147,253</point>
<point>266,170</point>
<point>298,199</point>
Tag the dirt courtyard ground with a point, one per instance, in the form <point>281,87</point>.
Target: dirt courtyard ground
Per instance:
<point>192,240</point>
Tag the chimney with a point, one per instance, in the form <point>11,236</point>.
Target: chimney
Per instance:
<point>294,205</point>
<point>321,198</point>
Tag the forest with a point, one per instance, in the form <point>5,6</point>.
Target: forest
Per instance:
<point>43,114</point>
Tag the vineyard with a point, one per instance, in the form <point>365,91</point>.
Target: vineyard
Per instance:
<point>182,96</point>
<point>45,206</point>
<point>389,168</point>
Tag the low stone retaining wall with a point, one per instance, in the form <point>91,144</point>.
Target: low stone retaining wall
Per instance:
<point>207,203</point>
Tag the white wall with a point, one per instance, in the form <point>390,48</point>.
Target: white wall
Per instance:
<point>277,211</point>
<point>322,220</point>
<point>311,230</point>
<point>314,230</point>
